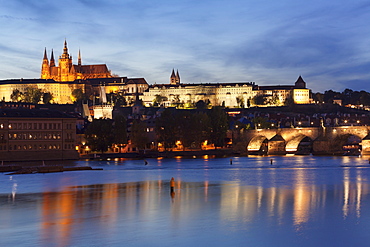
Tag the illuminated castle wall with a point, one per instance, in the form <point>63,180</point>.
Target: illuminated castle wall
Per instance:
<point>67,71</point>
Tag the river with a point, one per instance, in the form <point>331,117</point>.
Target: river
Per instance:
<point>238,201</point>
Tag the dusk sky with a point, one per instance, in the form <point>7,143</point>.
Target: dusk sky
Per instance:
<point>267,42</point>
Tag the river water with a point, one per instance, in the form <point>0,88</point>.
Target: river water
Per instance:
<point>243,201</point>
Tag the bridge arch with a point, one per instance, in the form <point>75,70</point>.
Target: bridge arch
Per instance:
<point>347,144</point>
<point>300,144</point>
<point>258,145</point>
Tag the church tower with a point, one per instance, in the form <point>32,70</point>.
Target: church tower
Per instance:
<point>175,78</point>
<point>65,64</point>
<point>45,70</point>
<point>300,83</point>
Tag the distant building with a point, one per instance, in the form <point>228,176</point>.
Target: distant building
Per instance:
<point>233,94</point>
<point>37,135</point>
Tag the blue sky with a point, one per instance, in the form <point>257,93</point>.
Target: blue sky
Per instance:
<point>267,42</point>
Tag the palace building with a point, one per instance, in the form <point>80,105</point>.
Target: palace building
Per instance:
<point>232,94</point>
<point>67,71</point>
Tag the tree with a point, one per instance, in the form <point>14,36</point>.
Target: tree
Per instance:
<point>259,99</point>
<point>158,99</point>
<point>47,97</point>
<point>261,123</point>
<point>78,95</point>
<point>120,130</point>
<point>249,102</point>
<point>274,100</point>
<point>99,134</point>
<point>176,101</point>
<point>167,129</point>
<point>32,95</point>
<point>200,105</point>
<point>16,95</point>
<point>289,101</point>
<point>240,101</point>
<point>218,126</point>
<point>194,128</point>
<point>139,134</point>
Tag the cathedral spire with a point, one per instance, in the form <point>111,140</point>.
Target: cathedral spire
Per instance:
<point>52,61</point>
<point>45,55</point>
<point>173,77</point>
<point>65,54</point>
<point>65,50</point>
<point>79,57</point>
<point>45,72</point>
<point>177,77</point>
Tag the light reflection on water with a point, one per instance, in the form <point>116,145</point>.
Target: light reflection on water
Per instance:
<point>249,203</point>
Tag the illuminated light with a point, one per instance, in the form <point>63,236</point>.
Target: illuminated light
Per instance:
<point>311,123</point>
<point>334,130</point>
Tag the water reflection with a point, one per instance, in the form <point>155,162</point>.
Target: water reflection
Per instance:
<point>68,214</point>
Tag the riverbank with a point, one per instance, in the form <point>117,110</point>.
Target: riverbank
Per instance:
<point>24,169</point>
<point>165,154</point>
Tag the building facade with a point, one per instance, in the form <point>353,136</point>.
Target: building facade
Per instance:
<point>37,135</point>
<point>238,94</point>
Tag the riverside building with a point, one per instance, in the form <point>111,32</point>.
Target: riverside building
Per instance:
<point>30,134</point>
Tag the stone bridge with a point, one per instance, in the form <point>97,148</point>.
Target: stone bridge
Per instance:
<point>339,140</point>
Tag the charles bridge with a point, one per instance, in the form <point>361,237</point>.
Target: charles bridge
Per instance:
<point>322,140</point>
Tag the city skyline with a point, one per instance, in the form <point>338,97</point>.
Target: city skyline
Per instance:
<point>269,43</point>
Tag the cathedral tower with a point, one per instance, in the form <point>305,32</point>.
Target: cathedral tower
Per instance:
<point>45,69</point>
<point>65,64</point>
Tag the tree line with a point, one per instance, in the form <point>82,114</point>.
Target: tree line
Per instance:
<point>191,128</point>
<point>348,96</point>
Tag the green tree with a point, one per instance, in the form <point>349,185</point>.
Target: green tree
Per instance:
<point>139,134</point>
<point>99,134</point>
<point>32,95</point>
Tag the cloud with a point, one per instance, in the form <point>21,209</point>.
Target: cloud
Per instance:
<point>208,41</point>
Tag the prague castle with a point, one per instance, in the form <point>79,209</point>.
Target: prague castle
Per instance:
<point>61,79</point>
<point>67,71</point>
<point>230,94</point>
